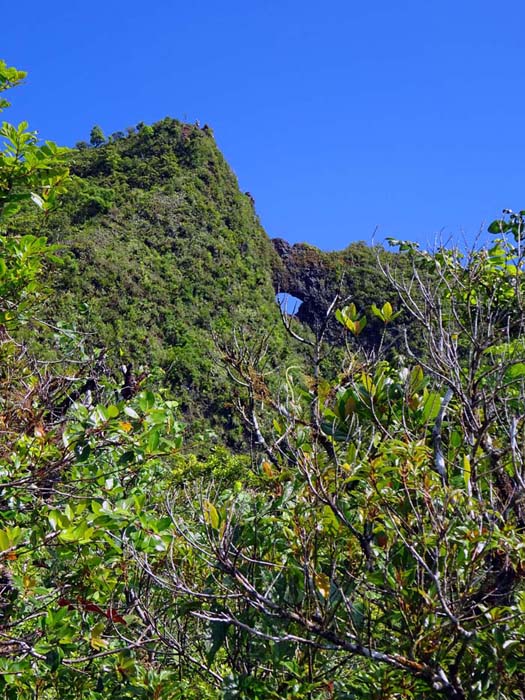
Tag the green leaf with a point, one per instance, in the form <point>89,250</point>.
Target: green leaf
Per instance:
<point>376,311</point>
<point>431,406</point>
<point>82,451</point>
<point>95,637</point>
<point>516,371</point>
<point>416,380</point>
<point>147,400</point>
<point>131,413</point>
<point>219,632</point>
<point>330,521</point>
<point>368,383</point>
<point>153,440</point>
<point>127,457</point>
<point>53,658</point>
<point>5,541</point>
<point>456,439</point>
<point>498,226</point>
<point>55,518</point>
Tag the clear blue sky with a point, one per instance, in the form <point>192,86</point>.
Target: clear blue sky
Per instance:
<point>339,117</point>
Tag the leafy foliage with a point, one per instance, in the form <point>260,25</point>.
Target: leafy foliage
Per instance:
<point>385,555</point>
<point>72,490</point>
<point>371,545</point>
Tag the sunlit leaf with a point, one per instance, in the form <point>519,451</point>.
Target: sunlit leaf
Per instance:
<point>323,584</point>
<point>211,515</point>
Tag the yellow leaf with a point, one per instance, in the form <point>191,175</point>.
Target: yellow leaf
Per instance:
<point>95,638</point>
<point>368,384</point>
<point>323,584</point>
<point>351,325</point>
<point>211,516</point>
<point>387,311</point>
<point>267,469</point>
<point>28,582</point>
<point>124,425</point>
<point>466,470</point>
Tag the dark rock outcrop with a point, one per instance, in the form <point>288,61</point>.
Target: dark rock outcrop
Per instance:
<point>309,274</point>
<point>353,275</point>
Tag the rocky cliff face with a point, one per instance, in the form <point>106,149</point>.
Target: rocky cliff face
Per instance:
<point>304,272</point>
<point>317,278</point>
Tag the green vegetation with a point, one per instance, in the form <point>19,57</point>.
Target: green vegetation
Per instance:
<point>160,253</point>
<point>369,545</point>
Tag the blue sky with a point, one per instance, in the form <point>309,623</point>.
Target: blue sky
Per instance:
<point>339,117</point>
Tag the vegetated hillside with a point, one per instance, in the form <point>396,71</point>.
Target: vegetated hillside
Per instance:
<point>161,250</point>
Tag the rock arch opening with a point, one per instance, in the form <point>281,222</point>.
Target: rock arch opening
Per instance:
<point>289,304</point>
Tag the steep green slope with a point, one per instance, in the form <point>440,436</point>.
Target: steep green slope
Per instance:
<point>160,250</point>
